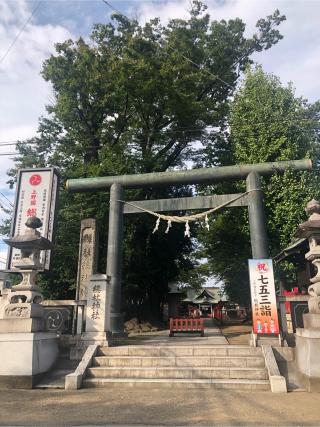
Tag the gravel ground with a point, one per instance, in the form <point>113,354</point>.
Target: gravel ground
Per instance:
<point>158,407</point>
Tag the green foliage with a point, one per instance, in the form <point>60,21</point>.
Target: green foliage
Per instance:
<point>134,99</point>
<point>267,123</point>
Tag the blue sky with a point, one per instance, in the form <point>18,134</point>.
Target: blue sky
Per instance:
<point>24,94</point>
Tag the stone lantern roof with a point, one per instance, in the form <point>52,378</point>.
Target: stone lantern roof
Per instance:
<point>312,225</point>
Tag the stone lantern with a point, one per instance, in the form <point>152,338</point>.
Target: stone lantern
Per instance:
<point>27,350</point>
<point>30,244</point>
<point>311,230</point>
<point>308,338</point>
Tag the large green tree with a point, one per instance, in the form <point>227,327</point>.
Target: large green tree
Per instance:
<point>134,99</point>
<point>267,123</point>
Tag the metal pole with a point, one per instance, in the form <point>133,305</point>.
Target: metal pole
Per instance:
<point>191,176</point>
<point>258,231</point>
<point>114,259</point>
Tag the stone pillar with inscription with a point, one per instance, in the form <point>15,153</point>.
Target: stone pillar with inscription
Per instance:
<point>308,338</point>
<point>87,263</point>
<point>98,302</point>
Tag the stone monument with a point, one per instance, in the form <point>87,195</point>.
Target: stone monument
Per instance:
<point>27,351</point>
<point>308,338</point>
<point>87,262</point>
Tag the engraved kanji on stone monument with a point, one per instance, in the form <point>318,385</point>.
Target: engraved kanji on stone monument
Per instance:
<point>87,263</point>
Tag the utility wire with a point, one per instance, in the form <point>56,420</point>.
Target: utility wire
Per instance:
<point>5,207</point>
<point>186,130</point>
<point>6,198</point>
<point>116,10</point>
<point>19,33</point>
<point>200,67</point>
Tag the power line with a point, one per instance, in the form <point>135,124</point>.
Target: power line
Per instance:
<point>5,207</point>
<point>186,130</point>
<point>19,33</point>
<point>116,10</point>
<point>6,198</point>
<point>200,67</point>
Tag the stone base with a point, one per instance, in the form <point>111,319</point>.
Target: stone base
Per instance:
<point>21,325</point>
<point>310,384</point>
<point>19,382</point>
<point>100,338</point>
<point>307,356</point>
<point>311,321</point>
<point>25,356</point>
<point>261,340</point>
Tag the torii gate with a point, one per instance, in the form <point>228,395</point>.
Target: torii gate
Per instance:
<point>253,198</point>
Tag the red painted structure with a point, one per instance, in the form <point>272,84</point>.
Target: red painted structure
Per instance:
<point>186,325</point>
<point>294,291</point>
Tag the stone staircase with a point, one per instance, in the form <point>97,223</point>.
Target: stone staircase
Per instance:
<point>221,366</point>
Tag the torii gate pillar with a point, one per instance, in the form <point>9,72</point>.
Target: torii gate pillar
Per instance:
<point>114,259</point>
<point>258,230</point>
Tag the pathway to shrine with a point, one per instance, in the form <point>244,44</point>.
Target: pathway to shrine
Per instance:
<point>212,336</point>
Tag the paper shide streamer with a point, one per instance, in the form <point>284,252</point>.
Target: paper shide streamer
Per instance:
<point>187,218</point>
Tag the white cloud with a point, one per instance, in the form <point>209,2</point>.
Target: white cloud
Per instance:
<point>24,93</point>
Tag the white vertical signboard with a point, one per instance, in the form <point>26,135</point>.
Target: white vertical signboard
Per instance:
<point>35,196</point>
<point>263,297</point>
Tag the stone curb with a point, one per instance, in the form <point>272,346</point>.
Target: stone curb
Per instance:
<point>277,381</point>
<point>73,381</point>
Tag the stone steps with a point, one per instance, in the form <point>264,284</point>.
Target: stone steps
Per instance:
<point>235,384</point>
<point>167,361</point>
<point>178,372</point>
<point>159,351</point>
<point>213,366</point>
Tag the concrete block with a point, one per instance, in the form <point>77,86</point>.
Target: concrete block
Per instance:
<point>255,362</point>
<point>113,351</point>
<point>158,361</point>
<point>192,361</point>
<point>175,351</point>
<point>27,354</point>
<point>26,325</point>
<point>311,321</point>
<point>211,373</point>
<point>249,373</point>
<point>243,351</point>
<point>73,381</point>
<point>210,351</point>
<point>307,352</point>
<point>277,382</point>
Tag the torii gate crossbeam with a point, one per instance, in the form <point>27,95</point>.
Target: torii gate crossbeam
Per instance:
<point>116,184</point>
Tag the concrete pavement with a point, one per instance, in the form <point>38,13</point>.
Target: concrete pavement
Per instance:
<point>158,407</point>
